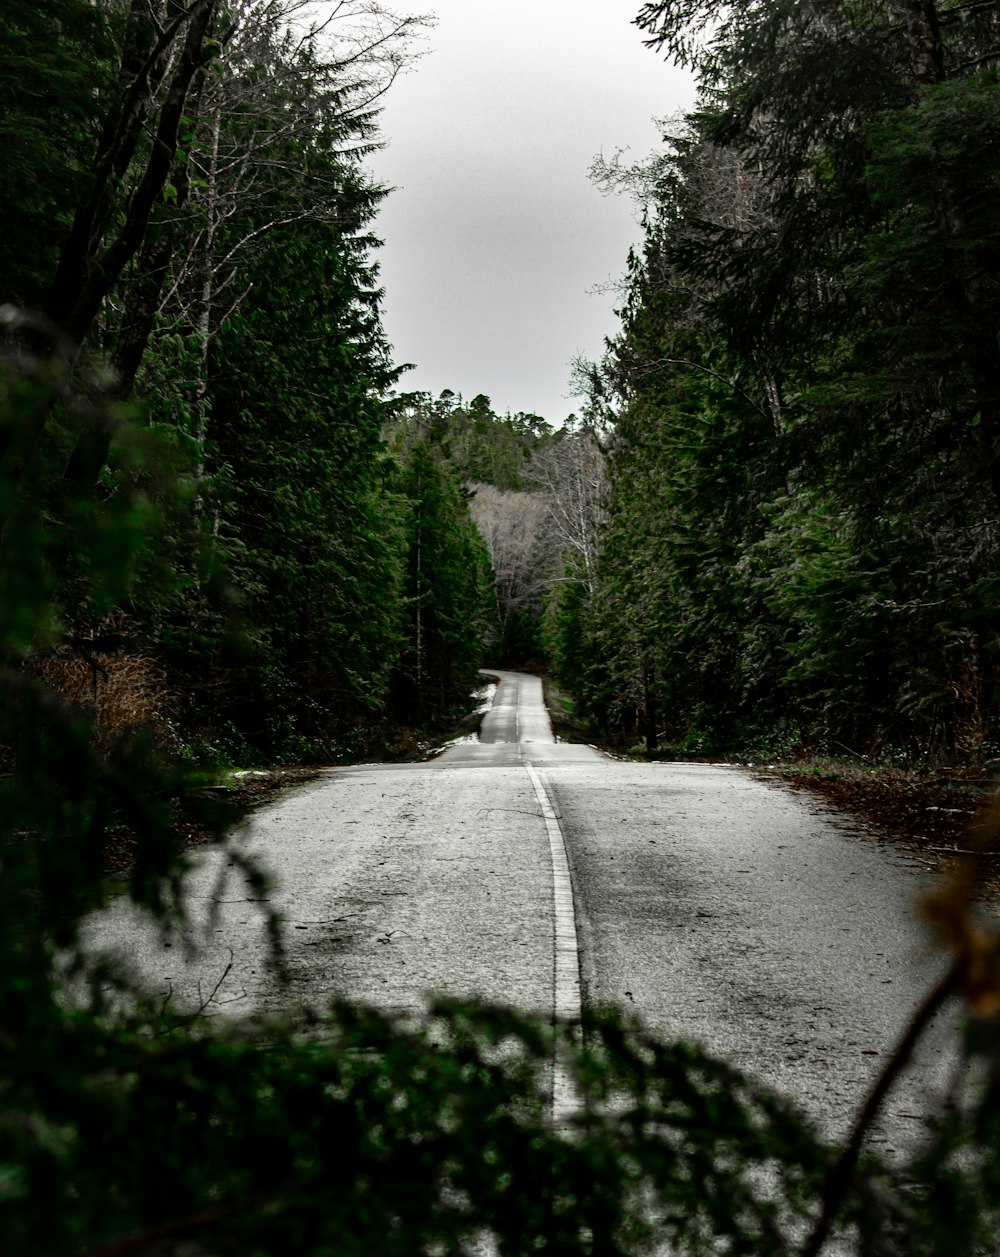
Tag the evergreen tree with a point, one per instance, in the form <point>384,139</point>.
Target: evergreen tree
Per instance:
<point>446,589</point>
<point>56,70</point>
<point>297,496</point>
<point>807,372</point>
<point>478,445</point>
<point>213,242</point>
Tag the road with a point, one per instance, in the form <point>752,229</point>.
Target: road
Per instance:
<point>719,907</point>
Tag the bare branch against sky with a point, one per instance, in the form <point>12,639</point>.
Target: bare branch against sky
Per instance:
<point>495,240</point>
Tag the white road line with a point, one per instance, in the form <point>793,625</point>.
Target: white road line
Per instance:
<point>566,1001</point>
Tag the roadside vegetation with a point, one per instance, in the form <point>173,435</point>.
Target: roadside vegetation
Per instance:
<point>187,203</point>
<point>800,550</point>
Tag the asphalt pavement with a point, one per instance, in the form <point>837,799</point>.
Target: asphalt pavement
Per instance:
<point>721,908</point>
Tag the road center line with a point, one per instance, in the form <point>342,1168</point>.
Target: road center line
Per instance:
<point>566,983</point>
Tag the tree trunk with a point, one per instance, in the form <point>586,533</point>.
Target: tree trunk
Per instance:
<point>86,272</point>
<point>143,64</point>
<point>967,269</point>
<point>649,713</point>
<point>96,275</point>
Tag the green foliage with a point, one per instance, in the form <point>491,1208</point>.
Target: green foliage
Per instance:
<point>190,199</point>
<point>69,558</point>
<point>494,460</point>
<point>477,445</point>
<point>74,557</point>
<point>447,574</point>
<point>805,475</point>
<point>312,535</point>
<point>378,1139</point>
<point>56,62</point>
<point>565,630</point>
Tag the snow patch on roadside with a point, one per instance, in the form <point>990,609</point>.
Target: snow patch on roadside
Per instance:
<point>485,695</point>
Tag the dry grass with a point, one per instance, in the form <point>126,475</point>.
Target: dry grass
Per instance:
<point>123,693</point>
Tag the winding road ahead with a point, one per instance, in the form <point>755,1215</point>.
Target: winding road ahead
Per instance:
<point>719,907</point>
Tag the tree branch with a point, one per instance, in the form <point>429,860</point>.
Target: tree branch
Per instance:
<point>698,366</point>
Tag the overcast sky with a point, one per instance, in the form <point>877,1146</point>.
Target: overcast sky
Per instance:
<point>495,240</point>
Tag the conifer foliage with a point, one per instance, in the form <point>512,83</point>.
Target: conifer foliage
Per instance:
<point>125,1128</point>
<point>190,205</point>
<point>802,547</point>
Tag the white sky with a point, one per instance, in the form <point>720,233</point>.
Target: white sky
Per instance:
<point>495,239</point>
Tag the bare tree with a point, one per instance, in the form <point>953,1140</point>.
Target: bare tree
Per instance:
<point>274,139</point>
<point>513,527</point>
<point>281,97</point>
<point>569,474</point>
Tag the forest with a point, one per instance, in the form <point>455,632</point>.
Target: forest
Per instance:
<point>193,225</point>
<point>313,586</point>
<point>230,536</point>
<point>802,404</point>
